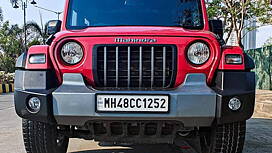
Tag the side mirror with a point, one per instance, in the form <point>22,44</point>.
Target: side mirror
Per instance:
<point>216,26</point>
<point>53,27</point>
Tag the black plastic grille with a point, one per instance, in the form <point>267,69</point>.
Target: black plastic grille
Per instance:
<point>135,66</point>
<point>134,128</point>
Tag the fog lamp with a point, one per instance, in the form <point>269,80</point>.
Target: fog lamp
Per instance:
<point>34,105</point>
<point>235,104</point>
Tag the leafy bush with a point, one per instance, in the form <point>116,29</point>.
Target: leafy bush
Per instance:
<point>6,78</point>
<point>11,46</point>
<point>7,63</point>
<point>262,58</point>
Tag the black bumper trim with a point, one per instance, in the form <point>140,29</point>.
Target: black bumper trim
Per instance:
<point>227,85</point>
<point>44,115</point>
<point>240,85</point>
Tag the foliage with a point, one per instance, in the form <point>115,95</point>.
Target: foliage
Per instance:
<point>11,43</point>
<point>263,69</point>
<point>36,32</point>
<point>34,42</point>
<point>234,13</point>
<point>6,78</point>
<point>268,42</point>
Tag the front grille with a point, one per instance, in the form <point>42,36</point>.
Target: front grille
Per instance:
<point>135,66</point>
<point>116,128</point>
<point>134,131</point>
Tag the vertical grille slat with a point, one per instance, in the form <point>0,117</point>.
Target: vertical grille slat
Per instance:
<point>164,66</point>
<point>117,68</point>
<point>128,84</point>
<point>152,66</point>
<point>135,66</point>
<point>141,67</point>
<point>105,66</point>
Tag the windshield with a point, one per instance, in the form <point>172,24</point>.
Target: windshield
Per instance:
<point>92,13</point>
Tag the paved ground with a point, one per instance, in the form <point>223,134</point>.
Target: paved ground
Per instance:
<point>258,140</point>
<point>263,107</point>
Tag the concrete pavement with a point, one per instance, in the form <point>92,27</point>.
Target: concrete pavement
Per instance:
<point>258,139</point>
<point>263,107</point>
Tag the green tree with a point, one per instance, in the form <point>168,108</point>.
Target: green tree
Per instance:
<point>36,33</point>
<point>11,43</point>
<point>268,42</point>
<point>234,13</point>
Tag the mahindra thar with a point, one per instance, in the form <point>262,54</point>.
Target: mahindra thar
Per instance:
<point>135,72</point>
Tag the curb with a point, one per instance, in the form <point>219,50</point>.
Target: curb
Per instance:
<point>263,109</point>
<point>263,105</point>
<point>6,88</point>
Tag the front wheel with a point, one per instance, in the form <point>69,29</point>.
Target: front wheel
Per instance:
<point>43,138</point>
<point>226,138</point>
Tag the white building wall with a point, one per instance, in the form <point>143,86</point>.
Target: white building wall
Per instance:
<point>263,34</point>
<point>250,38</point>
<point>257,38</point>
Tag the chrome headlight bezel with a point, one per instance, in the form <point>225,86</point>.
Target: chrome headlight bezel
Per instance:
<point>74,48</point>
<point>193,48</point>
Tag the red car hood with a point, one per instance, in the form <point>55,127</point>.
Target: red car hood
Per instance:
<point>135,31</point>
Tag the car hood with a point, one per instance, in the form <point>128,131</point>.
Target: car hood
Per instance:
<point>135,31</point>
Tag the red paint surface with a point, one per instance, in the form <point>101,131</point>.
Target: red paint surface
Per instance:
<point>231,50</point>
<point>106,35</point>
<point>41,49</point>
<point>205,15</point>
<point>164,35</point>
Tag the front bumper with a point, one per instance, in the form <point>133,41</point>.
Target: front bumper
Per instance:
<point>193,104</point>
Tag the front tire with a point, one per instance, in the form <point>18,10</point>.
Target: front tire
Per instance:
<point>226,138</point>
<point>43,138</point>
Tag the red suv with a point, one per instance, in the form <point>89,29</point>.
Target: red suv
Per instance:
<point>134,72</point>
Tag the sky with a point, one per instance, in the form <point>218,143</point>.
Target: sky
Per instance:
<point>15,16</point>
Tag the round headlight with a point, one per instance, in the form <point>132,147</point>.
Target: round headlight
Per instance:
<point>71,53</point>
<point>198,53</point>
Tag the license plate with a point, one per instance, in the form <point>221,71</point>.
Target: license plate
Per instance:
<point>132,103</point>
